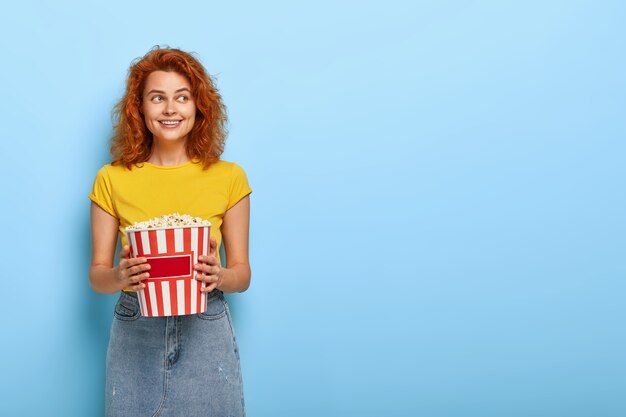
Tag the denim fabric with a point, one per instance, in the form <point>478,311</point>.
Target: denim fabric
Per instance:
<point>173,366</point>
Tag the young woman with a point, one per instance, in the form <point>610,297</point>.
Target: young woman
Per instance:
<point>168,140</point>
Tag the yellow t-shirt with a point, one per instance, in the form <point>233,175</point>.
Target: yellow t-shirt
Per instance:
<point>148,191</point>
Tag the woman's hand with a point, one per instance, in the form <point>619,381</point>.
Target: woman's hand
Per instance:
<point>209,269</point>
<point>131,271</point>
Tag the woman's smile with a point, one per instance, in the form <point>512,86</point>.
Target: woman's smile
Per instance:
<point>170,124</point>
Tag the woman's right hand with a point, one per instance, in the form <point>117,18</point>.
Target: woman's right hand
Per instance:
<point>131,271</point>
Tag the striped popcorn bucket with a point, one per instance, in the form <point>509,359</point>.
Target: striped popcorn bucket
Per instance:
<point>171,289</point>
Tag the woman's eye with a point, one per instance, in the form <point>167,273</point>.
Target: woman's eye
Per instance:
<point>157,99</point>
<point>183,99</point>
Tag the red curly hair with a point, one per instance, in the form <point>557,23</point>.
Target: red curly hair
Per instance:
<point>132,141</point>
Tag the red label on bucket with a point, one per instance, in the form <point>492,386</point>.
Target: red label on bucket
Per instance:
<point>169,266</point>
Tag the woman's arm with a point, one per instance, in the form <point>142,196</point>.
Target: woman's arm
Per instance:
<point>235,231</point>
<point>103,277</point>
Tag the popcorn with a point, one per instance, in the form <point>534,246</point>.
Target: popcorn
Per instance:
<point>170,220</point>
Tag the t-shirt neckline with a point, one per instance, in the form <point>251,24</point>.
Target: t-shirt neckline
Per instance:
<point>167,167</point>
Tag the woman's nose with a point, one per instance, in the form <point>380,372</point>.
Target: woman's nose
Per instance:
<point>170,107</point>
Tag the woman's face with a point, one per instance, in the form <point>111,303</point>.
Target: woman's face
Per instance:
<point>168,107</point>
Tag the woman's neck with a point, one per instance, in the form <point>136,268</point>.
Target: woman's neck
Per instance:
<point>168,153</point>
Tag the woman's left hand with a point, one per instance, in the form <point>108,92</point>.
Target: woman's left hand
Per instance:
<point>209,269</point>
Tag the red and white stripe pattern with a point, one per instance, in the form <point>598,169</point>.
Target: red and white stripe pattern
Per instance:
<point>171,289</point>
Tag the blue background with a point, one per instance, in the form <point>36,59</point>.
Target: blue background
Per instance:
<point>438,207</point>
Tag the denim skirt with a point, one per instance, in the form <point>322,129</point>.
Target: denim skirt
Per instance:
<point>173,366</point>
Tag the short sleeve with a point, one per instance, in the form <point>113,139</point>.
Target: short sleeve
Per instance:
<point>101,192</point>
<point>239,187</point>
